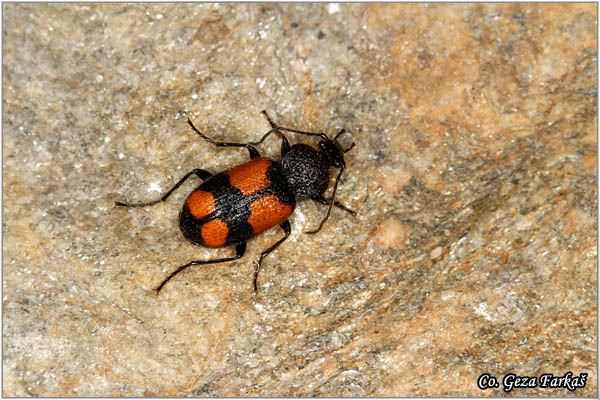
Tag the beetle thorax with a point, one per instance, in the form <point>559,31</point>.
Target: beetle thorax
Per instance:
<point>306,170</point>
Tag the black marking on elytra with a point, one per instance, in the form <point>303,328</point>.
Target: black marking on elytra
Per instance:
<point>236,218</point>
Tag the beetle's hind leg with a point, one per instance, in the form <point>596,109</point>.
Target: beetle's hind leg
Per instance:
<point>200,173</point>
<point>240,249</point>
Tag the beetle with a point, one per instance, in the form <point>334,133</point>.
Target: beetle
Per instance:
<point>233,206</point>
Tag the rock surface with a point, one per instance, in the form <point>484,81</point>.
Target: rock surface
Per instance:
<point>474,177</point>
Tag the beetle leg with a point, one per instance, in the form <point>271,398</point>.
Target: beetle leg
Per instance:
<point>285,145</point>
<point>317,134</point>
<point>287,229</point>
<point>251,149</point>
<point>331,202</point>
<point>336,203</point>
<point>240,249</point>
<point>200,173</point>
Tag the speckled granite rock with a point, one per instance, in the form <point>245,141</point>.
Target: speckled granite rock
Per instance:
<point>474,250</point>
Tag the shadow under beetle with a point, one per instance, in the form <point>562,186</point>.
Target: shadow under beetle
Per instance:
<point>231,207</point>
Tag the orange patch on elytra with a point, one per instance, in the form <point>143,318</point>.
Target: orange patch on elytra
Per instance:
<point>266,212</point>
<point>250,177</point>
<point>201,203</point>
<point>214,233</point>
